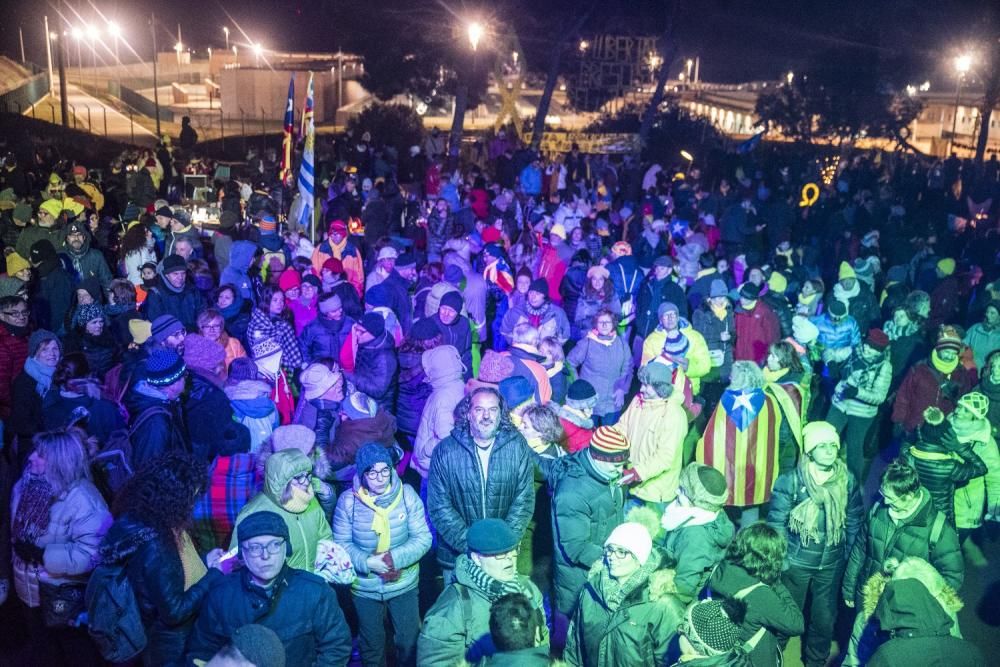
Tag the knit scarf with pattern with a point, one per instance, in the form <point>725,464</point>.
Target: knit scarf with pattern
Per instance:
<point>32,517</point>
<point>535,315</point>
<point>493,589</point>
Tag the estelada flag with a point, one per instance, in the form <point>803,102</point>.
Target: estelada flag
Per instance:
<point>741,441</point>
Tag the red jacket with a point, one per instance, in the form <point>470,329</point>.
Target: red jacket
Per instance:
<point>13,353</point>
<point>756,330</point>
<point>577,437</point>
<point>925,386</point>
<point>552,269</point>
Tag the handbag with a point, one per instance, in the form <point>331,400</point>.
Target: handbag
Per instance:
<point>62,604</point>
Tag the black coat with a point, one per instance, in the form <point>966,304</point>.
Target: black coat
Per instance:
<point>302,610</point>
<point>50,300</point>
<point>209,416</point>
<point>652,294</point>
<point>162,431</point>
<point>184,304</point>
<point>323,338</point>
<point>26,420</point>
<point>375,369</point>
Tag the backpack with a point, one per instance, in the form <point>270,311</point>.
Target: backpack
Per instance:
<point>116,384</point>
<point>111,467</point>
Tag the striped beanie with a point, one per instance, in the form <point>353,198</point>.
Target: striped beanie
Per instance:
<point>949,340</point>
<point>267,224</point>
<point>608,444</point>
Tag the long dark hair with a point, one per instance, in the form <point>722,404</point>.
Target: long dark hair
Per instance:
<point>134,240</point>
<point>163,492</point>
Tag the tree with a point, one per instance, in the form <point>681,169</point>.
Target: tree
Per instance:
<point>393,125</point>
<point>990,69</point>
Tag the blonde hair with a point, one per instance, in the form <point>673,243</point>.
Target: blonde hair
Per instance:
<point>550,347</point>
<point>66,460</point>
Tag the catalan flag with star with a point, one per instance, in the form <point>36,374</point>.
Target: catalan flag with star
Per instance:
<point>741,441</point>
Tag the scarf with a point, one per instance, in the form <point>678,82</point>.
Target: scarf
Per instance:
<point>535,315</point>
<point>493,589</point>
<point>191,563</point>
<point>606,341</point>
<point>720,313</point>
<point>40,373</point>
<point>898,516</point>
<point>381,507</point>
<point>32,517</point>
<point>970,430</point>
<point>774,376</point>
<point>807,301</point>
<point>576,417</point>
<point>676,516</point>
<point>300,500</point>
<point>830,496</point>
<point>895,332</point>
<point>946,367</point>
<point>844,295</point>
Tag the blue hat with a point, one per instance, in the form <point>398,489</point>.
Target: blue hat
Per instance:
<point>491,537</point>
<point>369,454</point>
<point>516,390</point>
<point>164,367</point>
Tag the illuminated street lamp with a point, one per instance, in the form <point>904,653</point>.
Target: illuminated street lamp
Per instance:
<point>77,34</point>
<point>963,64</point>
<point>225,29</point>
<point>475,31</point>
<point>584,45</point>
<point>690,158</point>
<point>257,51</point>
<point>790,77</point>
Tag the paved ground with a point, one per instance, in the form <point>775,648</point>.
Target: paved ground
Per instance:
<point>90,113</point>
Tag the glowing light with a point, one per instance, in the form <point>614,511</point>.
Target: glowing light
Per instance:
<point>114,29</point>
<point>687,156</point>
<point>76,33</point>
<point>584,45</point>
<point>963,63</point>
<point>790,77</point>
<point>258,49</point>
<point>178,47</point>
<point>475,31</point>
<point>93,33</point>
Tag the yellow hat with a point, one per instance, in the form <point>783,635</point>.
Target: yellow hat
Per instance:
<point>846,271</point>
<point>141,330</point>
<point>946,266</point>
<point>132,224</point>
<point>51,206</point>
<point>54,179</point>
<point>16,263</point>
<point>777,282</point>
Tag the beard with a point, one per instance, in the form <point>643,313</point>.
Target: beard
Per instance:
<point>484,429</point>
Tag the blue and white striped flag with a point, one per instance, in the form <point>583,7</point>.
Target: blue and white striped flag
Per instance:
<point>307,186</point>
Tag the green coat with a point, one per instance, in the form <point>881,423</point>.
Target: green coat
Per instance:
<point>305,529</point>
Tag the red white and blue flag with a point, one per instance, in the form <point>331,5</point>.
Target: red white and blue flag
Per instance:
<point>286,142</point>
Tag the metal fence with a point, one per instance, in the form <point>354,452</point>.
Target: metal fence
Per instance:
<point>24,97</point>
<point>143,105</point>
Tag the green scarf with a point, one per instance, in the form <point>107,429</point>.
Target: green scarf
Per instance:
<point>493,589</point>
<point>946,367</point>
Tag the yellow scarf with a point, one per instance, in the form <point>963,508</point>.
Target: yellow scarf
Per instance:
<point>338,248</point>
<point>380,517</point>
<point>191,563</point>
<point>719,312</point>
<point>300,500</point>
<point>774,376</point>
<point>946,367</point>
<point>807,300</point>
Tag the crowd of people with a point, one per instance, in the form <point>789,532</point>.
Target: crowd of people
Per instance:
<point>510,411</point>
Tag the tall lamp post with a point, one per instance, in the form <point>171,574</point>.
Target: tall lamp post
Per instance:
<point>225,29</point>
<point>93,34</point>
<point>115,31</point>
<point>963,64</point>
<point>77,34</point>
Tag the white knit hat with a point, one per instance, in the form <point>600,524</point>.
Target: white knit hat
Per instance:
<point>632,537</point>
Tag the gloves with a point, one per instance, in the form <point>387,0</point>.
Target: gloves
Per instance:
<point>629,477</point>
<point>850,391</point>
<point>29,552</point>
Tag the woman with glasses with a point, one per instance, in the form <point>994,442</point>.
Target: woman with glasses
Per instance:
<point>625,614</point>
<point>381,524</point>
<point>15,328</point>
<point>603,359</point>
<point>212,325</point>
<point>290,492</point>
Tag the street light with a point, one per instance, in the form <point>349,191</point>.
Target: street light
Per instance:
<point>584,45</point>
<point>225,29</point>
<point>115,31</point>
<point>963,64</point>
<point>475,30</point>
<point>790,77</point>
<point>690,158</point>
<point>257,51</point>
<point>77,34</point>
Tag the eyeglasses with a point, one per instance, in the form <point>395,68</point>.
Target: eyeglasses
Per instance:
<point>615,552</point>
<point>16,313</point>
<point>378,474</point>
<point>510,555</point>
<point>257,550</point>
<point>303,479</point>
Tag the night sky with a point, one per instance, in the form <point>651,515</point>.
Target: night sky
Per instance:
<point>737,40</point>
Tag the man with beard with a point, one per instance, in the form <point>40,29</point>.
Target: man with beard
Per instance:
<point>483,470</point>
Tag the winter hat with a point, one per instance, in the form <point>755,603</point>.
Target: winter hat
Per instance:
<point>358,406</point>
<point>658,374</point>
<point>387,252</point>
<point>817,433</point>
<point>242,368</point>
<point>803,330</point>
<point>836,308</point>
<point>164,367</point>
<point>316,379</point>
<point>369,454</point>
<point>609,444</point>
<point>705,486</point>
<point>846,271</point>
<point>453,300</point>
<point>373,323</point>
<point>203,354</point>
<point>10,286</point>
<point>676,345</point>
<point>717,289</point>
<point>491,537</point>
<point>896,274</point>
<point>289,279</point>
<point>946,266</point>
<point>976,403</point>
<point>172,263</point>
<point>599,271</point>
<point>41,251</point>
<point>632,537</point>
<point>51,206</point>
<point>581,395</point>
<point>864,269</point>
<point>424,329</point>
<point>338,226</point>
<point>22,212</point>
<point>711,629</point>
<point>164,211</point>
<point>948,340</point>
<point>453,274</point>
<point>406,260</point>
<point>665,261</point>
<point>877,339</point>
<point>330,304</point>
<point>293,436</point>
<point>140,330</point>
<point>539,285</point>
<point>165,326</point>
<point>260,645</point>
<point>750,292</point>
<point>378,296</point>
<point>558,230</point>
<point>38,338</point>
<point>621,249</point>
<point>666,307</point>
<point>86,313</point>
<point>334,265</point>
<point>491,235</point>
<point>494,367</point>
<point>777,282</point>
<point>516,390</point>
<point>261,523</point>
<point>16,263</point>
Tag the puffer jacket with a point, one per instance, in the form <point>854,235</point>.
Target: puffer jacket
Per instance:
<point>413,387</point>
<point>655,430</point>
<point>980,493</point>
<point>771,607</point>
<point>324,338</point>
<point>782,309</point>
<point>789,490</point>
<point>78,520</point>
<point>458,493</point>
<point>606,367</point>
<point>13,354</point>
<point>410,537</point>
<point>699,363</point>
<point>551,322</point>
<point>458,625</point>
<point>942,462</point>
<point>154,570</point>
<point>305,528</point>
<point>637,632</point>
<point>375,368</point>
<point>836,338</point>
<point>184,304</point>
<point>585,509</point>
<point>880,539</point>
<point>711,328</point>
<point>443,370</point>
<point>237,272</point>
<point>693,550</point>
<point>872,380</point>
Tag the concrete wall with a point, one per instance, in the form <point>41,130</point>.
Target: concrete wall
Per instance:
<point>254,89</point>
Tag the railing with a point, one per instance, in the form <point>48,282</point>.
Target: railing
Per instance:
<point>27,94</point>
<point>143,105</point>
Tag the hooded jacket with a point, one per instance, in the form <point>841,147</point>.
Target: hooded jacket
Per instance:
<point>980,493</point>
<point>444,372</point>
<point>410,537</point>
<point>637,632</point>
<point>699,362</point>
<point>693,549</point>
<point>252,406</point>
<point>87,262</point>
<point>655,430</point>
<point>305,528</point>
<point>375,368</point>
<point>585,509</point>
<point>237,273</point>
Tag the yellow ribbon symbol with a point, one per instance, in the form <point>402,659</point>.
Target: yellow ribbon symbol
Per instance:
<point>810,193</point>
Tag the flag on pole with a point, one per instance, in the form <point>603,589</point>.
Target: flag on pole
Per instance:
<point>306,172</point>
<point>286,142</point>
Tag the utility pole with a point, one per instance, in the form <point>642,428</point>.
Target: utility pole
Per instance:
<point>61,61</point>
<point>48,54</point>
<point>20,36</point>
<point>156,88</point>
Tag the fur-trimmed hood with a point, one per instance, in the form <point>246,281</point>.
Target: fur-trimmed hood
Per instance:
<point>659,582</point>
